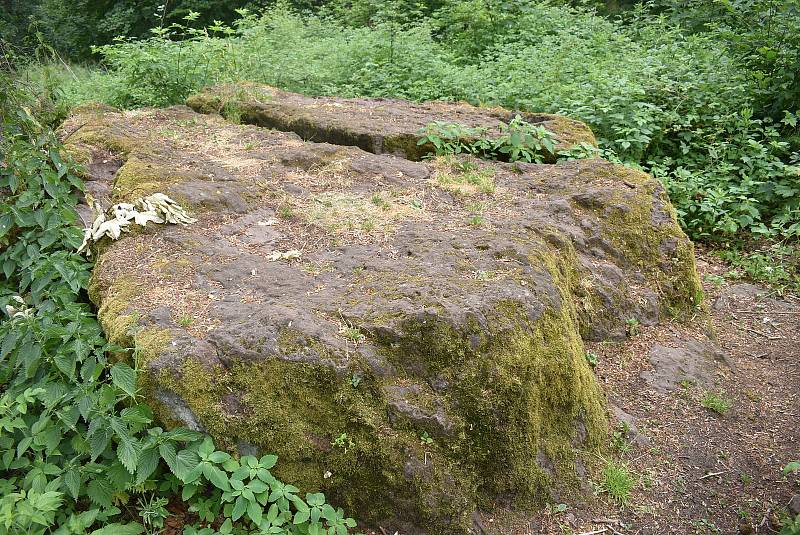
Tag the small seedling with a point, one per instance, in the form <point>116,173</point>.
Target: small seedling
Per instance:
<point>425,439</point>
<point>633,327</point>
<point>153,511</point>
<point>356,379</point>
<point>378,201</point>
<point>555,509</point>
<point>475,207</point>
<point>706,525</point>
<point>206,508</point>
<point>483,275</point>
<point>792,468</point>
<point>353,334</point>
<point>716,402</point>
<point>592,359</point>
<point>475,221</point>
<point>185,320</point>
<point>343,441</point>
<point>619,438</point>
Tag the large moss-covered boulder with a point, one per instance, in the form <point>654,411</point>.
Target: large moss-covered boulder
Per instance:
<point>406,336</point>
<point>376,125</point>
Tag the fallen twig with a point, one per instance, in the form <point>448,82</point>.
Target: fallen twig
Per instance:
<point>776,312</point>
<point>605,521</point>
<point>712,474</point>
<point>767,336</point>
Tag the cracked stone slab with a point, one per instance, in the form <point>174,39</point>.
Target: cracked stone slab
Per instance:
<point>376,125</point>
<point>414,303</point>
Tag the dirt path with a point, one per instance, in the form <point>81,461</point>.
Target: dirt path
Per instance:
<point>698,471</point>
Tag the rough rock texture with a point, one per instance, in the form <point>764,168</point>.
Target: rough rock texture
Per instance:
<point>424,351</point>
<point>794,505</point>
<point>696,361</point>
<point>375,125</point>
<point>628,424</point>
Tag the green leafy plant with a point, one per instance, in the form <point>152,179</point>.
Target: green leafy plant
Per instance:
<point>356,378</point>
<point>517,141</point>
<point>153,511</point>
<point>633,327</point>
<point>75,440</point>
<point>343,441</point>
<point>791,526</point>
<point>619,438</point>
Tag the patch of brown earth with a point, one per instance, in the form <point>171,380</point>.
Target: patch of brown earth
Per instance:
<point>698,471</point>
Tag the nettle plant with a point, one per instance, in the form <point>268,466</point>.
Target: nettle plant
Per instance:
<point>78,447</point>
<point>519,140</point>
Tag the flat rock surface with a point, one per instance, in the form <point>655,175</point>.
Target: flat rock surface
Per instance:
<point>398,332</point>
<point>683,361</point>
<point>375,125</point>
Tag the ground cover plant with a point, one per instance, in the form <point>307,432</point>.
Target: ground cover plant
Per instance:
<point>79,452</point>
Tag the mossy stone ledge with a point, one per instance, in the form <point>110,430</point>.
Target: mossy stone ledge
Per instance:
<point>389,126</point>
<point>415,363</point>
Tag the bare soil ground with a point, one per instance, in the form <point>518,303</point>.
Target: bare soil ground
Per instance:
<point>697,471</point>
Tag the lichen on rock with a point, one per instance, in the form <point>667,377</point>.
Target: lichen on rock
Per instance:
<point>415,363</point>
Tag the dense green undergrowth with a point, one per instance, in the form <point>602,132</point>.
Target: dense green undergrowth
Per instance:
<point>79,451</point>
<point>690,106</point>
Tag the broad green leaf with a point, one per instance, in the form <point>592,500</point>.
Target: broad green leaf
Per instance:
<point>140,414</point>
<point>98,443</point>
<point>301,516</point>
<point>254,511</point>
<point>128,452</point>
<point>124,378</point>
<point>72,480</point>
<point>239,508</point>
<point>133,528</point>
<point>9,343</point>
<point>148,462</point>
<point>99,491</point>
<point>188,491</point>
<point>185,462</point>
<point>219,457</point>
<point>181,434</point>
<point>206,447</point>
<point>65,362</point>
<point>268,461</point>
<point>217,477</point>
<point>167,452</point>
